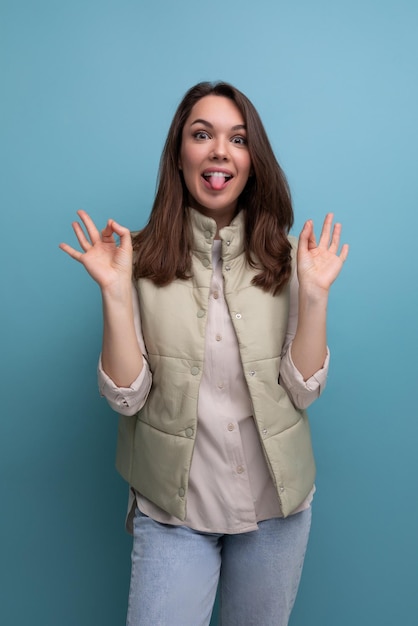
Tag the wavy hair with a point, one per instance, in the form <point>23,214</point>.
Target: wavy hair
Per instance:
<point>163,248</point>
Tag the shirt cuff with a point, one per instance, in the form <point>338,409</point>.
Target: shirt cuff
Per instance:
<point>302,392</point>
<point>125,400</point>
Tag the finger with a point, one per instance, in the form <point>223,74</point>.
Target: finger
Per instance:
<point>72,252</point>
<point>335,241</point>
<point>92,231</point>
<point>312,239</point>
<point>113,228</point>
<point>82,239</point>
<point>308,235</point>
<point>306,231</point>
<point>344,252</point>
<point>325,237</point>
<point>124,234</point>
<point>107,233</point>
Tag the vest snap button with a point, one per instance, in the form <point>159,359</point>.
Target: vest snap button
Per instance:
<point>238,316</point>
<point>181,492</point>
<point>194,371</point>
<point>200,313</point>
<point>189,432</point>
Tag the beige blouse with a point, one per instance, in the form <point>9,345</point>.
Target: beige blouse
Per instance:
<point>230,487</point>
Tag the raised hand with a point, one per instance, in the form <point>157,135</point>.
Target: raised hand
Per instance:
<point>106,262</point>
<point>320,263</point>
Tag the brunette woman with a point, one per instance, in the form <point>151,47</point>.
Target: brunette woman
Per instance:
<point>214,344</point>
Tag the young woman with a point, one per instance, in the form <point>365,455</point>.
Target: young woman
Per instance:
<point>214,344</point>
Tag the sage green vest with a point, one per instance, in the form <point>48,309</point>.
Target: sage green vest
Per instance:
<point>155,446</point>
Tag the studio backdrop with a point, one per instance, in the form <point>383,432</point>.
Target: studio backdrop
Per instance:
<point>88,90</point>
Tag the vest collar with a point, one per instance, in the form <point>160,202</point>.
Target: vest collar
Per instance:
<point>204,231</point>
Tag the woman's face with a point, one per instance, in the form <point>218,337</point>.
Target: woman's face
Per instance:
<point>214,157</point>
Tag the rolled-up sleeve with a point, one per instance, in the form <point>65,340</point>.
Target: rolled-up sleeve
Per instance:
<point>125,400</point>
<point>302,392</point>
<point>128,400</point>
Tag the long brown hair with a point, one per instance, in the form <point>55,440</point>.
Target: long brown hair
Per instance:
<point>163,248</point>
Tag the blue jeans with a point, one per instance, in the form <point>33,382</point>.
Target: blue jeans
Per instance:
<point>176,571</point>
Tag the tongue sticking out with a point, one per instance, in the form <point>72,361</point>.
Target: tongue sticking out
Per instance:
<point>217,182</point>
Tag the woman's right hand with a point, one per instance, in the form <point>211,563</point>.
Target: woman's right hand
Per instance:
<point>106,262</point>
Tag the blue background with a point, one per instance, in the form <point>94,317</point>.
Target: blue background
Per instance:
<point>88,91</point>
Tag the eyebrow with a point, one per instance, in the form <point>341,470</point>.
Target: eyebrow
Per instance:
<point>209,125</point>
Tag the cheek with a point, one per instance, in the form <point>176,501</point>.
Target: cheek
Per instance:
<point>189,174</point>
<point>246,167</point>
<point>249,165</point>
<point>188,162</point>
<point>244,162</point>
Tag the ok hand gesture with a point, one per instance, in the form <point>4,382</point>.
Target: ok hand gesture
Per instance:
<point>319,264</point>
<point>106,262</point>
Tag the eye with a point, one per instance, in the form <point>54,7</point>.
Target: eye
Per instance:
<point>201,134</point>
<point>239,140</point>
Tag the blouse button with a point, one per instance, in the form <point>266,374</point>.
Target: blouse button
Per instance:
<point>240,469</point>
<point>215,295</point>
<point>194,371</point>
<point>231,427</point>
<point>218,337</point>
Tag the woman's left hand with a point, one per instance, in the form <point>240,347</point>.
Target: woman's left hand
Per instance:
<point>320,263</point>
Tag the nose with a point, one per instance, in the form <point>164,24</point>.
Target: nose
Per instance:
<point>220,149</point>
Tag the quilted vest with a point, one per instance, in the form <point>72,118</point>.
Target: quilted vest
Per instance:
<point>155,446</point>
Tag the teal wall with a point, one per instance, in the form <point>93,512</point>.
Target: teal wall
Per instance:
<point>88,90</point>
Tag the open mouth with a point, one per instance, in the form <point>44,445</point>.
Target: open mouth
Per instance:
<point>216,180</point>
